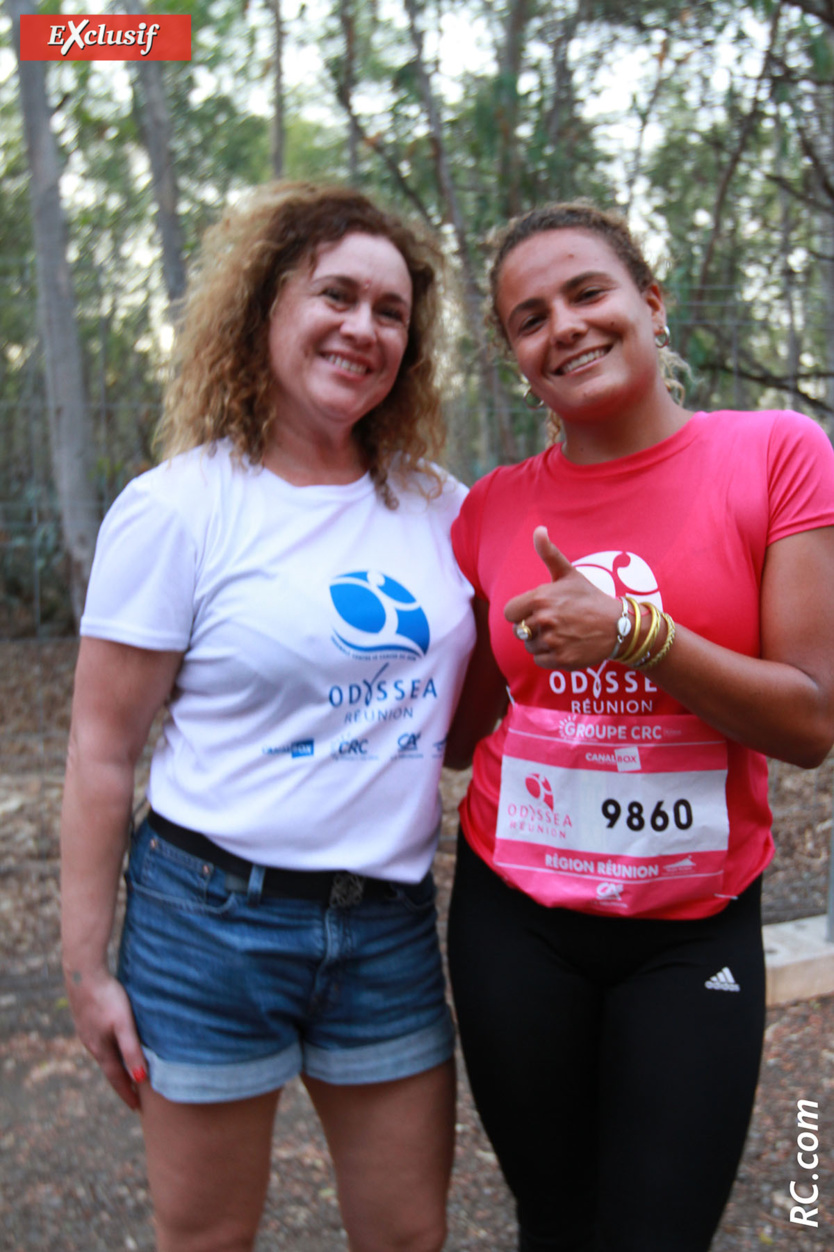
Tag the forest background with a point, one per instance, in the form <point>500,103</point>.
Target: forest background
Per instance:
<point>709,124</point>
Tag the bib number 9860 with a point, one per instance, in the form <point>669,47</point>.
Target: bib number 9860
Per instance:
<point>659,818</point>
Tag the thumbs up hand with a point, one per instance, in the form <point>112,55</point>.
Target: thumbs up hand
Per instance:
<point>557,564</point>
<point>567,622</point>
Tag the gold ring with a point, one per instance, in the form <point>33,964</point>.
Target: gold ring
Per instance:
<point>523,631</point>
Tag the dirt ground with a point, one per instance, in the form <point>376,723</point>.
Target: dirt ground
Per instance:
<point>72,1174</point>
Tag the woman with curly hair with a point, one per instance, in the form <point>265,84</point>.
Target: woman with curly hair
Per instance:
<point>656,592</point>
<point>283,584</point>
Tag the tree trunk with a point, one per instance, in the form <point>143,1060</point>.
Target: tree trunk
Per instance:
<point>745,132</point>
<point>507,105</point>
<point>278,127</point>
<point>156,129</point>
<point>492,388</point>
<point>562,114</point>
<point>347,18</point>
<point>788,277</point>
<point>827,249</point>
<point>70,424</point>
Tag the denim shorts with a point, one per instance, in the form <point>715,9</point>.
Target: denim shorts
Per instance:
<point>235,993</point>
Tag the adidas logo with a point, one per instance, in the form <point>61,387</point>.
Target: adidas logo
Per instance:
<point>722,981</point>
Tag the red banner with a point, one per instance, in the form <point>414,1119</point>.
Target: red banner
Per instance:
<point>105,37</point>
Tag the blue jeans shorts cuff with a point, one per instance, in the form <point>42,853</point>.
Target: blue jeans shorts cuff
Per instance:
<point>187,1083</point>
<point>386,1061</point>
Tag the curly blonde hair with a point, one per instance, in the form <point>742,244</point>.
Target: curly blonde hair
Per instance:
<point>613,229</point>
<point>221,383</point>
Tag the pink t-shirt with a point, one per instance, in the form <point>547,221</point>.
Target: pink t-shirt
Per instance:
<point>686,522</point>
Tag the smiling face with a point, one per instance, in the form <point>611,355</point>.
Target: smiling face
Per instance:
<point>337,335</point>
<point>582,332</point>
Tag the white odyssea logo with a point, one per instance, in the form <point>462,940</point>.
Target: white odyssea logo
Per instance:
<point>378,614</point>
<point>621,574</point>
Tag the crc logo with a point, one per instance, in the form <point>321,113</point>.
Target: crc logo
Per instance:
<point>540,789</point>
<point>620,574</point>
<point>378,614</point>
<point>408,743</point>
<point>353,747</point>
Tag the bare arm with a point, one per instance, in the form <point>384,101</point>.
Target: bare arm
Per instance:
<point>781,704</point>
<point>118,691</point>
<point>483,699</point>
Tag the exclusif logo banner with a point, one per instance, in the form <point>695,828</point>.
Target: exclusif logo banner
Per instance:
<point>105,37</point>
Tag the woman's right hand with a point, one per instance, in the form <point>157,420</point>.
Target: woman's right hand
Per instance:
<point>118,690</point>
<point>104,1021</point>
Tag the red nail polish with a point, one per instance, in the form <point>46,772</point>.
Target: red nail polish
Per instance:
<point>139,1074</point>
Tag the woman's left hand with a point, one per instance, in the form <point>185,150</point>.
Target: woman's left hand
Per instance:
<point>780,703</point>
<point>573,624</point>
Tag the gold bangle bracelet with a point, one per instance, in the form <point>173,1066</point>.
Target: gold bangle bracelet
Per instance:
<point>635,646</point>
<point>664,651</point>
<point>654,630</point>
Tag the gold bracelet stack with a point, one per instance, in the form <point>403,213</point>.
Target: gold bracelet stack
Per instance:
<point>635,646</point>
<point>670,639</point>
<point>648,643</point>
<point>638,653</point>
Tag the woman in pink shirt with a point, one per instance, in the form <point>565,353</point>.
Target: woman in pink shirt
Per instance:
<point>655,593</point>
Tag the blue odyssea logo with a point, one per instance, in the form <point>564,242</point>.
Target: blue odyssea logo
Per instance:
<point>382,614</point>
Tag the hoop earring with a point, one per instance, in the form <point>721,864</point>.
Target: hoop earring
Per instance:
<point>663,337</point>
<point>532,401</point>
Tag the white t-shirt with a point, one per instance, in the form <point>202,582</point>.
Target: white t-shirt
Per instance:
<point>325,640</point>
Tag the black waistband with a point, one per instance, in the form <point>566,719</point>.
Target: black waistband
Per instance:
<point>336,888</point>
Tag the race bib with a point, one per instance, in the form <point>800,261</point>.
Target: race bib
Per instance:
<point>625,815</point>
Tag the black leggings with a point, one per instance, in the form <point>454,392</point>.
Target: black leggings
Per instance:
<point>613,1071</point>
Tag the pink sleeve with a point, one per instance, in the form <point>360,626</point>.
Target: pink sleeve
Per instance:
<point>800,476</point>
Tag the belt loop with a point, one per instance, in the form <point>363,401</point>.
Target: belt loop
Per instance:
<point>256,885</point>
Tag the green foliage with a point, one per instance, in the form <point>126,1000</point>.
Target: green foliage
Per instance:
<point>724,167</point>
<point>749,293</point>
